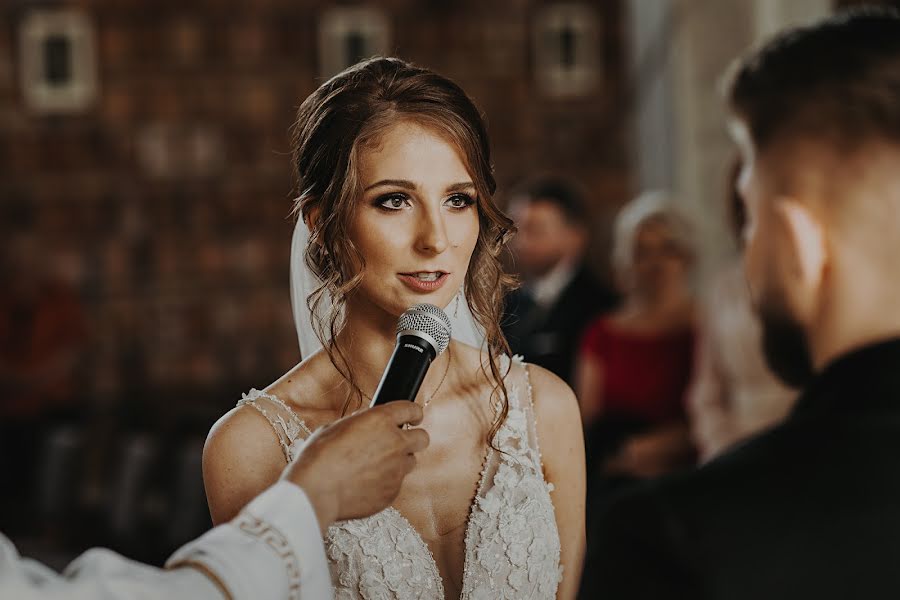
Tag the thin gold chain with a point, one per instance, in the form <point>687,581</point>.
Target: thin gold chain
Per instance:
<point>436,390</point>
<point>441,382</point>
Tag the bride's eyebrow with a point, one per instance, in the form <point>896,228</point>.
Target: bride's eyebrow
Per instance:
<point>459,187</point>
<point>409,185</point>
<point>401,183</point>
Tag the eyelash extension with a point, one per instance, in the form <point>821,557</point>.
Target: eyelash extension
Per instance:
<point>467,201</point>
<point>381,201</point>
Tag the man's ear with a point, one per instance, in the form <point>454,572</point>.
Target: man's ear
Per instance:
<point>806,240</point>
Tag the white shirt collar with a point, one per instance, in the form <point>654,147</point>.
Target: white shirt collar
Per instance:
<point>546,290</point>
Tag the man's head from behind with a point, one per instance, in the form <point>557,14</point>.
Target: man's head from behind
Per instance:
<point>552,222</point>
<point>817,118</point>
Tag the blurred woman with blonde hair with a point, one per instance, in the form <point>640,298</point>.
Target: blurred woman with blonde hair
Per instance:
<point>635,363</point>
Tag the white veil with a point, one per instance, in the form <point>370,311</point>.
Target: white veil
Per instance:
<point>303,282</point>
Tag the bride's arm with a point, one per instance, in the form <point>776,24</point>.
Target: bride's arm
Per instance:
<point>241,458</point>
<point>562,448</point>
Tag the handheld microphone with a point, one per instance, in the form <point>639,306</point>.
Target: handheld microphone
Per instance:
<point>423,332</point>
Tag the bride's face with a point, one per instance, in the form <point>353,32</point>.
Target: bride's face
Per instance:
<point>416,222</point>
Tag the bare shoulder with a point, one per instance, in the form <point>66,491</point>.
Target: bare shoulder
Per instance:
<point>246,431</point>
<point>558,424</point>
<point>241,458</point>
<point>559,429</point>
<point>311,391</point>
<point>242,431</point>
<point>554,401</point>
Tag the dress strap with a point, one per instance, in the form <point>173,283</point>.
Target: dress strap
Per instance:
<point>287,425</point>
<point>526,400</point>
<point>511,372</point>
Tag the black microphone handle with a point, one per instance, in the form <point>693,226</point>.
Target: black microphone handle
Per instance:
<point>405,370</point>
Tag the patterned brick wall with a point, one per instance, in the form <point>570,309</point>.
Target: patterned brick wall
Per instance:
<point>166,204</point>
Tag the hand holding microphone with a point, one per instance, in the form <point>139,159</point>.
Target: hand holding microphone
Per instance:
<point>354,467</point>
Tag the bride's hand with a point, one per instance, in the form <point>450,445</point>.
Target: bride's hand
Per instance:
<point>354,467</point>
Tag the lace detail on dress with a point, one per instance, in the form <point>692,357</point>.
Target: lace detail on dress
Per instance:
<point>381,556</point>
<point>287,425</point>
<point>512,544</point>
<point>513,551</point>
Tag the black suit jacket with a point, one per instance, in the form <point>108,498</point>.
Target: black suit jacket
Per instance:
<point>549,337</point>
<point>809,509</point>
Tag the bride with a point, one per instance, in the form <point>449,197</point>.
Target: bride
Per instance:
<point>395,196</point>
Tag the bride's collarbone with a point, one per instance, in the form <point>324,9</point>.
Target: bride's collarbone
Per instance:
<point>461,411</point>
<point>317,392</point>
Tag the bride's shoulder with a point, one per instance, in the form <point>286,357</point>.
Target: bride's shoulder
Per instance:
<point>241,457</point>
<point>549,392</point>
<point>545,381</point>
<point>291,399</point>
<point>558,423</point>
<point>554,401</point>
<point>307,392</point>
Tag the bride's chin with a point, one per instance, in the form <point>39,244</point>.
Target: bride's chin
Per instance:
<point>379,309</point>
<point>391,308</point>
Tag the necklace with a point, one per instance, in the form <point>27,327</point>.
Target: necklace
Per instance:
<point>436,390</point>
<point>440,383</point>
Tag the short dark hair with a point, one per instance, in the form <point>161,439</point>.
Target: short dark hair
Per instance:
<point>558,191</point>
<point>837,80</point>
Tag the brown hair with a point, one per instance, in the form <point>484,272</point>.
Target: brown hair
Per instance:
<point>350,111</point>
<point>838,80</point>
<point>562,193</point>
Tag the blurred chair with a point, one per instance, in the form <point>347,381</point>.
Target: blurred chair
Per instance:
<point>130,487</point>
<point>188,514</point>
<point>59,476</point>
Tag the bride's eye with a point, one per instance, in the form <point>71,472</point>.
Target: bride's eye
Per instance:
<point>460,201</point>
<point>392,202</point>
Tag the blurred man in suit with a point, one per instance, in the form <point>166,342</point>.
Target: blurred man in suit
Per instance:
<point>811,508</point>
<point>546,316</point>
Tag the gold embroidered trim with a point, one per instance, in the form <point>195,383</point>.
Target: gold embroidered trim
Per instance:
<point>198,565</point>
<point>277,542</point>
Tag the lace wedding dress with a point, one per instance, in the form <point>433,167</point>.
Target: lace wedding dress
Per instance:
<point>511,541</point>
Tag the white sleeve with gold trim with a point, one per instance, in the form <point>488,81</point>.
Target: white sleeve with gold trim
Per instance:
<point>98,574</point>
<point>273,549</point>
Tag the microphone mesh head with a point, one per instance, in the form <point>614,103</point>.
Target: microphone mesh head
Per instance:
<point>427,319</point>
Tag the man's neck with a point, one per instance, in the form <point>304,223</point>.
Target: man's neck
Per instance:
<point>547,288</point>
<point>862,316</point>
<point>826,350</point>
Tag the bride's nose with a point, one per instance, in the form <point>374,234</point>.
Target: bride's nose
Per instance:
<point>432,233</point>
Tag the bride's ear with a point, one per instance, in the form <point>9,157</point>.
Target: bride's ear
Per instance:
<point>312,222</point>
<point>312,218</point>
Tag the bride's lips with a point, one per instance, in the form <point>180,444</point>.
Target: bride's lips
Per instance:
<point>424,286</point>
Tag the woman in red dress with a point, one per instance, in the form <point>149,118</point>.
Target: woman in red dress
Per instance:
<point>635,363</point>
